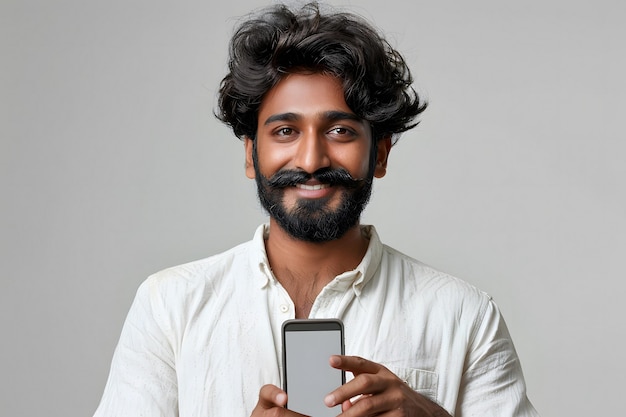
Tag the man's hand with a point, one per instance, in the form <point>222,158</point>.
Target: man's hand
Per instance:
<point>379,392</point>
<point>271,403</point>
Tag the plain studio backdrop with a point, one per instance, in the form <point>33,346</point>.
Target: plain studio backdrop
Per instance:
<point>113,167</point>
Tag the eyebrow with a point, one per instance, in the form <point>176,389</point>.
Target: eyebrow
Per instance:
<point>331,115</point>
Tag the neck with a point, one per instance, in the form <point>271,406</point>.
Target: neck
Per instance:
<point>304,268</point>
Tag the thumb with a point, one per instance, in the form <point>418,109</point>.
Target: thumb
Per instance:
<point>271,396</point>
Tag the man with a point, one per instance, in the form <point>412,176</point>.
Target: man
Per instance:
<point>318,100</point>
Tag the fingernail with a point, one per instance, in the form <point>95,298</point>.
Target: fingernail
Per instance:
<point>329,400</point>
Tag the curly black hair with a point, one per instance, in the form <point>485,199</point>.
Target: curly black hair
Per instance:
<point>277,41</point>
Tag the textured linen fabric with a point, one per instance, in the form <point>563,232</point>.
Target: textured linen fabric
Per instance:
<point>202,338</point>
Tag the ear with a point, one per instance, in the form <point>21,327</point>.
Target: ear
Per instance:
<point>248,144</point>
<point>382,155</point>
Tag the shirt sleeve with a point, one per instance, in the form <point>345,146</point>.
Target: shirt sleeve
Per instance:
<point>142,379</point>
<point>493,384</point>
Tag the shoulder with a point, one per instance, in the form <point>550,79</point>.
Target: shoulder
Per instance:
<point>175,298</point>
<point>198,279</point>
<point>431,286</point>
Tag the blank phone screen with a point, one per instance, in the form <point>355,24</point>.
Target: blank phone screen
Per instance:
<point>309,377</point>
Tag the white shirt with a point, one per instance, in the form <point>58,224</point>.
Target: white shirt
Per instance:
<point>202,338</point>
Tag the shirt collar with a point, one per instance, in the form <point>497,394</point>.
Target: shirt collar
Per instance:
<point>258,256</point>
<point>356,278</point>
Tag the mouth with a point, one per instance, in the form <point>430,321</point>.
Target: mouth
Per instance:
<point>314,187</point>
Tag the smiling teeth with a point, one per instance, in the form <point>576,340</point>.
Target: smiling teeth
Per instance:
<point>312,187</point>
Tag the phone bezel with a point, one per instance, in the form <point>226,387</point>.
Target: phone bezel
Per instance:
<point>299,325</point>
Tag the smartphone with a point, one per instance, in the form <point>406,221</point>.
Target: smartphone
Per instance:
<point>307,375</point>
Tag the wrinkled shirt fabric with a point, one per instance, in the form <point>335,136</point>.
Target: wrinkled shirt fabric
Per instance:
<point>202,338</point>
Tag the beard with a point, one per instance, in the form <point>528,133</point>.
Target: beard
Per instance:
<point>312,220</point>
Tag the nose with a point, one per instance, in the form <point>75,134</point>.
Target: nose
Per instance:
<point>312,153</point>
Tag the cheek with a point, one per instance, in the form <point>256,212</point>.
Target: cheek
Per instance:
<point>271,158</point>
<point>355,159</point>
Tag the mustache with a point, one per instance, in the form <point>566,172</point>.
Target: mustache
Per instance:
<point>332,176</point>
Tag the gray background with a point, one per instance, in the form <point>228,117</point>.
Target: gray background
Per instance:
<point>112,167</point>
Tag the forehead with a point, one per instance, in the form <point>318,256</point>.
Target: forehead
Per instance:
<point>304,94</point>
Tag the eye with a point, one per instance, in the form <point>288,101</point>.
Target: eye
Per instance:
<point>341,133</point>
<point>284,131</point>
<point>340,130</point>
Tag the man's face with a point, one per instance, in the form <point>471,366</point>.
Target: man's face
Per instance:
<point>312,158</point>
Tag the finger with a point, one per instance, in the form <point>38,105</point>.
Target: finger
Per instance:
<point>271,396</point>
<point>362,385</point>
<point>354,364</point>
<point>372,405</point>
<point>347,404</point>
<point>273,399</point>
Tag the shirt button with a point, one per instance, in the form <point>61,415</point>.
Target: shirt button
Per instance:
<point>284,308</point>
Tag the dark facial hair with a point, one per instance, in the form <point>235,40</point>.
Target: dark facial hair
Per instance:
<point>311,220</point>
